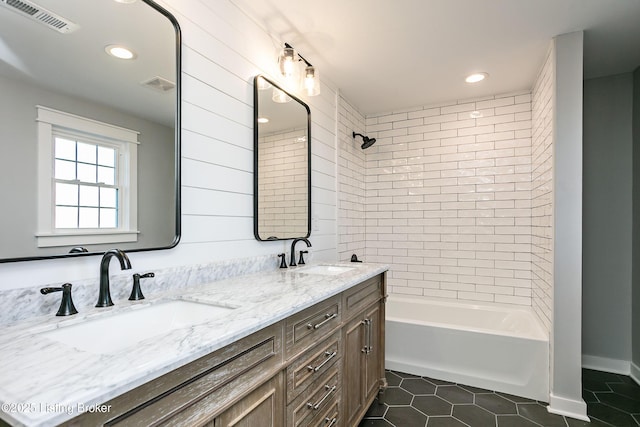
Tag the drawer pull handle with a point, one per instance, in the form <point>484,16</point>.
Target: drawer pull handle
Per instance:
<point>331,421</point>
<point>321,401</point>
<point>327,317</point>
<point>329,357</point>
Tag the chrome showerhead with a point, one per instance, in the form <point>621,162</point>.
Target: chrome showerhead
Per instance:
<point>366,141</point>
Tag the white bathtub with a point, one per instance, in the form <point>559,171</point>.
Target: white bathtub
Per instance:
<point>493,347</point>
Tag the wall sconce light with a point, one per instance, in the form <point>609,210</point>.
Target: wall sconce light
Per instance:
<point>287,62</point>
<point>289,67</point>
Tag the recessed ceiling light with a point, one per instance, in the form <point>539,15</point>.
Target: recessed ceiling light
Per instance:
<point>125,1</point>
<point>120,52</point>
<point>476,77</point>
<point>263,120</point>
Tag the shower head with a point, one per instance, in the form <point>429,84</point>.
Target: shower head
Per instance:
<point>366,141</point>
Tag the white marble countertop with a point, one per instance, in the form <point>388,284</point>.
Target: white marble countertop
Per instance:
<point>44,383</point>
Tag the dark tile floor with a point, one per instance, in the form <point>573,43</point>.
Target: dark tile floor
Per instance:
<point>413,401</point>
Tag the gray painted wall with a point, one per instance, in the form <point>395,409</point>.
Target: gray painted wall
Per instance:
<point>607,217</point>
<point>18,174</point>
<point>635,324</point>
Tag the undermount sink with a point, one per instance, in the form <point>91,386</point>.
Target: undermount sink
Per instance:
<point>114,332</point>
<point>327,270</point>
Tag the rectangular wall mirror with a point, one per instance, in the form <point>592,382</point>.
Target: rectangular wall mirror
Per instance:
<point>89,137</point>
<point>282,163</point>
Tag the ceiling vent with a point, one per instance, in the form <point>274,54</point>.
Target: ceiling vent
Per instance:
<point>39,14</point>
<point>160,84</point>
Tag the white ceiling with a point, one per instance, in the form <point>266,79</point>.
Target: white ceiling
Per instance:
<point>387,55</point>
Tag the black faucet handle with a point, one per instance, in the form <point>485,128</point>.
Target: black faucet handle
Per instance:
<point>283,262</point>
<point>66,305</point>
<point>136,291</point>
<point>301,260</point>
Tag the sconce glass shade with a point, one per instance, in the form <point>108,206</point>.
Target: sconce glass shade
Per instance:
<point>287,62</point>
<point>280,96</point>
<point>311,81</point>
<point>263,84</point>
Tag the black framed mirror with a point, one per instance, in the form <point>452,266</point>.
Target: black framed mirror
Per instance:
<point>90,141</point>
<point>282,163</point>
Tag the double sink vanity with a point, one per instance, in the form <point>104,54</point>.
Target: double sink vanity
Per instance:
<point>297,347</point>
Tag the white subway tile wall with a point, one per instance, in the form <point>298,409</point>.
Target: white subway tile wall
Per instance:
<point>351,183</point>
<point>448,199</point>
<point>542,193</point>
<point>283,193</point>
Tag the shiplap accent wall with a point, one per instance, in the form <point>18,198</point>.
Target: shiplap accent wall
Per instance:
<point>448,199</point>
<point>351,190</point>
<point>223,50</point>
<point>227,40</point>
<point>542,193</point>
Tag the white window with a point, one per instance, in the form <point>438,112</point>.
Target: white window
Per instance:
<point>87,183</point>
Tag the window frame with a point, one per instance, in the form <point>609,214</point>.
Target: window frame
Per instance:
<point>51,122</point>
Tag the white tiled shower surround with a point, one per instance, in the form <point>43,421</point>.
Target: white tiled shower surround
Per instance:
<point>457,197</point>
<point>351,183</point>
<point>449,199</point>
<point>542,194</point>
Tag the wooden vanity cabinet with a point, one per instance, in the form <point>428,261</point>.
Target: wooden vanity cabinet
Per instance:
<point>262,407</point>
<point>319,367</point>
<point>363,349</point>
<point>197,392</point>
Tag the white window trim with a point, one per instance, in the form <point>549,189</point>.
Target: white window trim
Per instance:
<point>46,235</point>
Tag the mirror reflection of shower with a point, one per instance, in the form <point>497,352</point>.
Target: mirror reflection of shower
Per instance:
<point>366,141</point>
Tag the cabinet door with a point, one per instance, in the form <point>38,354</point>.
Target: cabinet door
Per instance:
<point>363,362</point>
<point>373,353</point>
<point>353,378</point>
<point>261,408</point>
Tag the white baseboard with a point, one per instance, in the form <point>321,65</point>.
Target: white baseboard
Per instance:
<point>635,373</point>
<point>606,364</point>
<point>568,407</point>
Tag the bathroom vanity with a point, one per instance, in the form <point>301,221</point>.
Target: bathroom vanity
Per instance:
<point>299,347</point>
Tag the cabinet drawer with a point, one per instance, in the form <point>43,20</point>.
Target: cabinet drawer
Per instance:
<point>330,418</point>
<point>190,395</point>
<point>317,397</point>
<point>362,295</point>
<point>312,365</point>
<point>311,325</point>
<point>262,407</point>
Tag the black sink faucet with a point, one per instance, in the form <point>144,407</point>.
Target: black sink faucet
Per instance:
<point>104,298</point>
<point>293,249</point>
